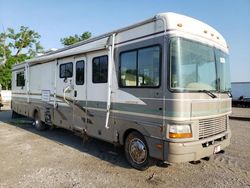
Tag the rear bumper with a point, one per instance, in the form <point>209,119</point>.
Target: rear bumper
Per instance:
<point>191,151</point>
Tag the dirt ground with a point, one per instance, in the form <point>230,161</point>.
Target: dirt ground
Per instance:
<point>58,158</point>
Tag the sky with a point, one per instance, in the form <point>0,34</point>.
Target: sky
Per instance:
<point>55,19</point>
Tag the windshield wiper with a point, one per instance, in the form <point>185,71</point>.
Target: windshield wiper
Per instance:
<point>229,94</point>
<point>209,93</point>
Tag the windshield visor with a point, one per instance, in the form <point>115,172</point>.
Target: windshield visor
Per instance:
<point>195,67</point>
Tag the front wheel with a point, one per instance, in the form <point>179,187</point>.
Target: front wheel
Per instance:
<point>136,151</point>
<point>39,125</point>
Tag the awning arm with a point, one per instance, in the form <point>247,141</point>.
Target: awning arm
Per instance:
<point>110,71</point>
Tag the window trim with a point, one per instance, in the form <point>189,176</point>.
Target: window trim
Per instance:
<point>93,69</point>
<point>137,65</point>
<point>65,67</point>
<point>79,61</point>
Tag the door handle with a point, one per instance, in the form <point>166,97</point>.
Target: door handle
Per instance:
<point>75,93</point>
<point>64,94</point>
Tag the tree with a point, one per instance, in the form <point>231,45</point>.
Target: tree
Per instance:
<point>16,47</point>
<point>75,38</point>
<point>4,49</point>
<point>25,40</point>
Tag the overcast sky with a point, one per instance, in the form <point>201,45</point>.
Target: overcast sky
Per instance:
<point>54,19</point>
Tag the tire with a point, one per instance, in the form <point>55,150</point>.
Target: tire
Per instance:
<point>39,125</point>
<point>136,151</point>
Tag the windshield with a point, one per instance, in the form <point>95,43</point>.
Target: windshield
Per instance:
<point>197,67</point>
<point>224,80</point>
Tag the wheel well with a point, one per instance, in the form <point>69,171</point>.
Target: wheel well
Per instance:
<point>127,132</point>
<point>34,112</point>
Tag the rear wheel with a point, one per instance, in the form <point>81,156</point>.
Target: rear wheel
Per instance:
<point>136,151</point>
<point>39,125</point>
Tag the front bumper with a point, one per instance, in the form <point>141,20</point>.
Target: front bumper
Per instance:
<point>192,151</point>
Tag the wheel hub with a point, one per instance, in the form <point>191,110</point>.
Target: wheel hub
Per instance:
<point>36,123</point>
<point>137,151</point>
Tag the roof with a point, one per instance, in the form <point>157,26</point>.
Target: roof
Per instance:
<point>193,26</point>
<point>170,21</point>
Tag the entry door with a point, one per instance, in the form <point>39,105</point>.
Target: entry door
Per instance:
<point>64,89</point>
<point>79,109</point>
<point>97,85</point>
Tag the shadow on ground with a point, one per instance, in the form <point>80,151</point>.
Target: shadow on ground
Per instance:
<point>97,148</point>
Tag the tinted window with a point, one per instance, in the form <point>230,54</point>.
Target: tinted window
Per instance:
<point>100,69</point>
<point>140,67</point>
<point>66,70</point>
<point>20,81</point>
<point>79,72</point>
<point>149,66</point>
<point>128,68</point>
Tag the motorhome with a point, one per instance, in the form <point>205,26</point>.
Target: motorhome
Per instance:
<point>159,88</point>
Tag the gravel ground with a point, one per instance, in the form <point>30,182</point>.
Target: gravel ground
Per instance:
<point>58,158</point>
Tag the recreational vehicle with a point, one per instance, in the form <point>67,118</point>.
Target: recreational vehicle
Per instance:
<point>159,88</point>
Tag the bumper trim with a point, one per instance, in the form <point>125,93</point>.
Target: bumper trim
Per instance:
<point>185,152</point>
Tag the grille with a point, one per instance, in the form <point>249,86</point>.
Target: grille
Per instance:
<point>212,126</point>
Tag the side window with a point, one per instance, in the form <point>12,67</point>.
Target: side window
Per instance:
<point>66,70</point>
<point>100,69</point>
<point>129,68</point>
<point>79,72</point>
<point>140,67</point>
<point>20,81</point>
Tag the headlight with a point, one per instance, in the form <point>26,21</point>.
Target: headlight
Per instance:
<point>180,131</point>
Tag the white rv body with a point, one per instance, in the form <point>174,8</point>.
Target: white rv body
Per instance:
<point>110,112</point>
